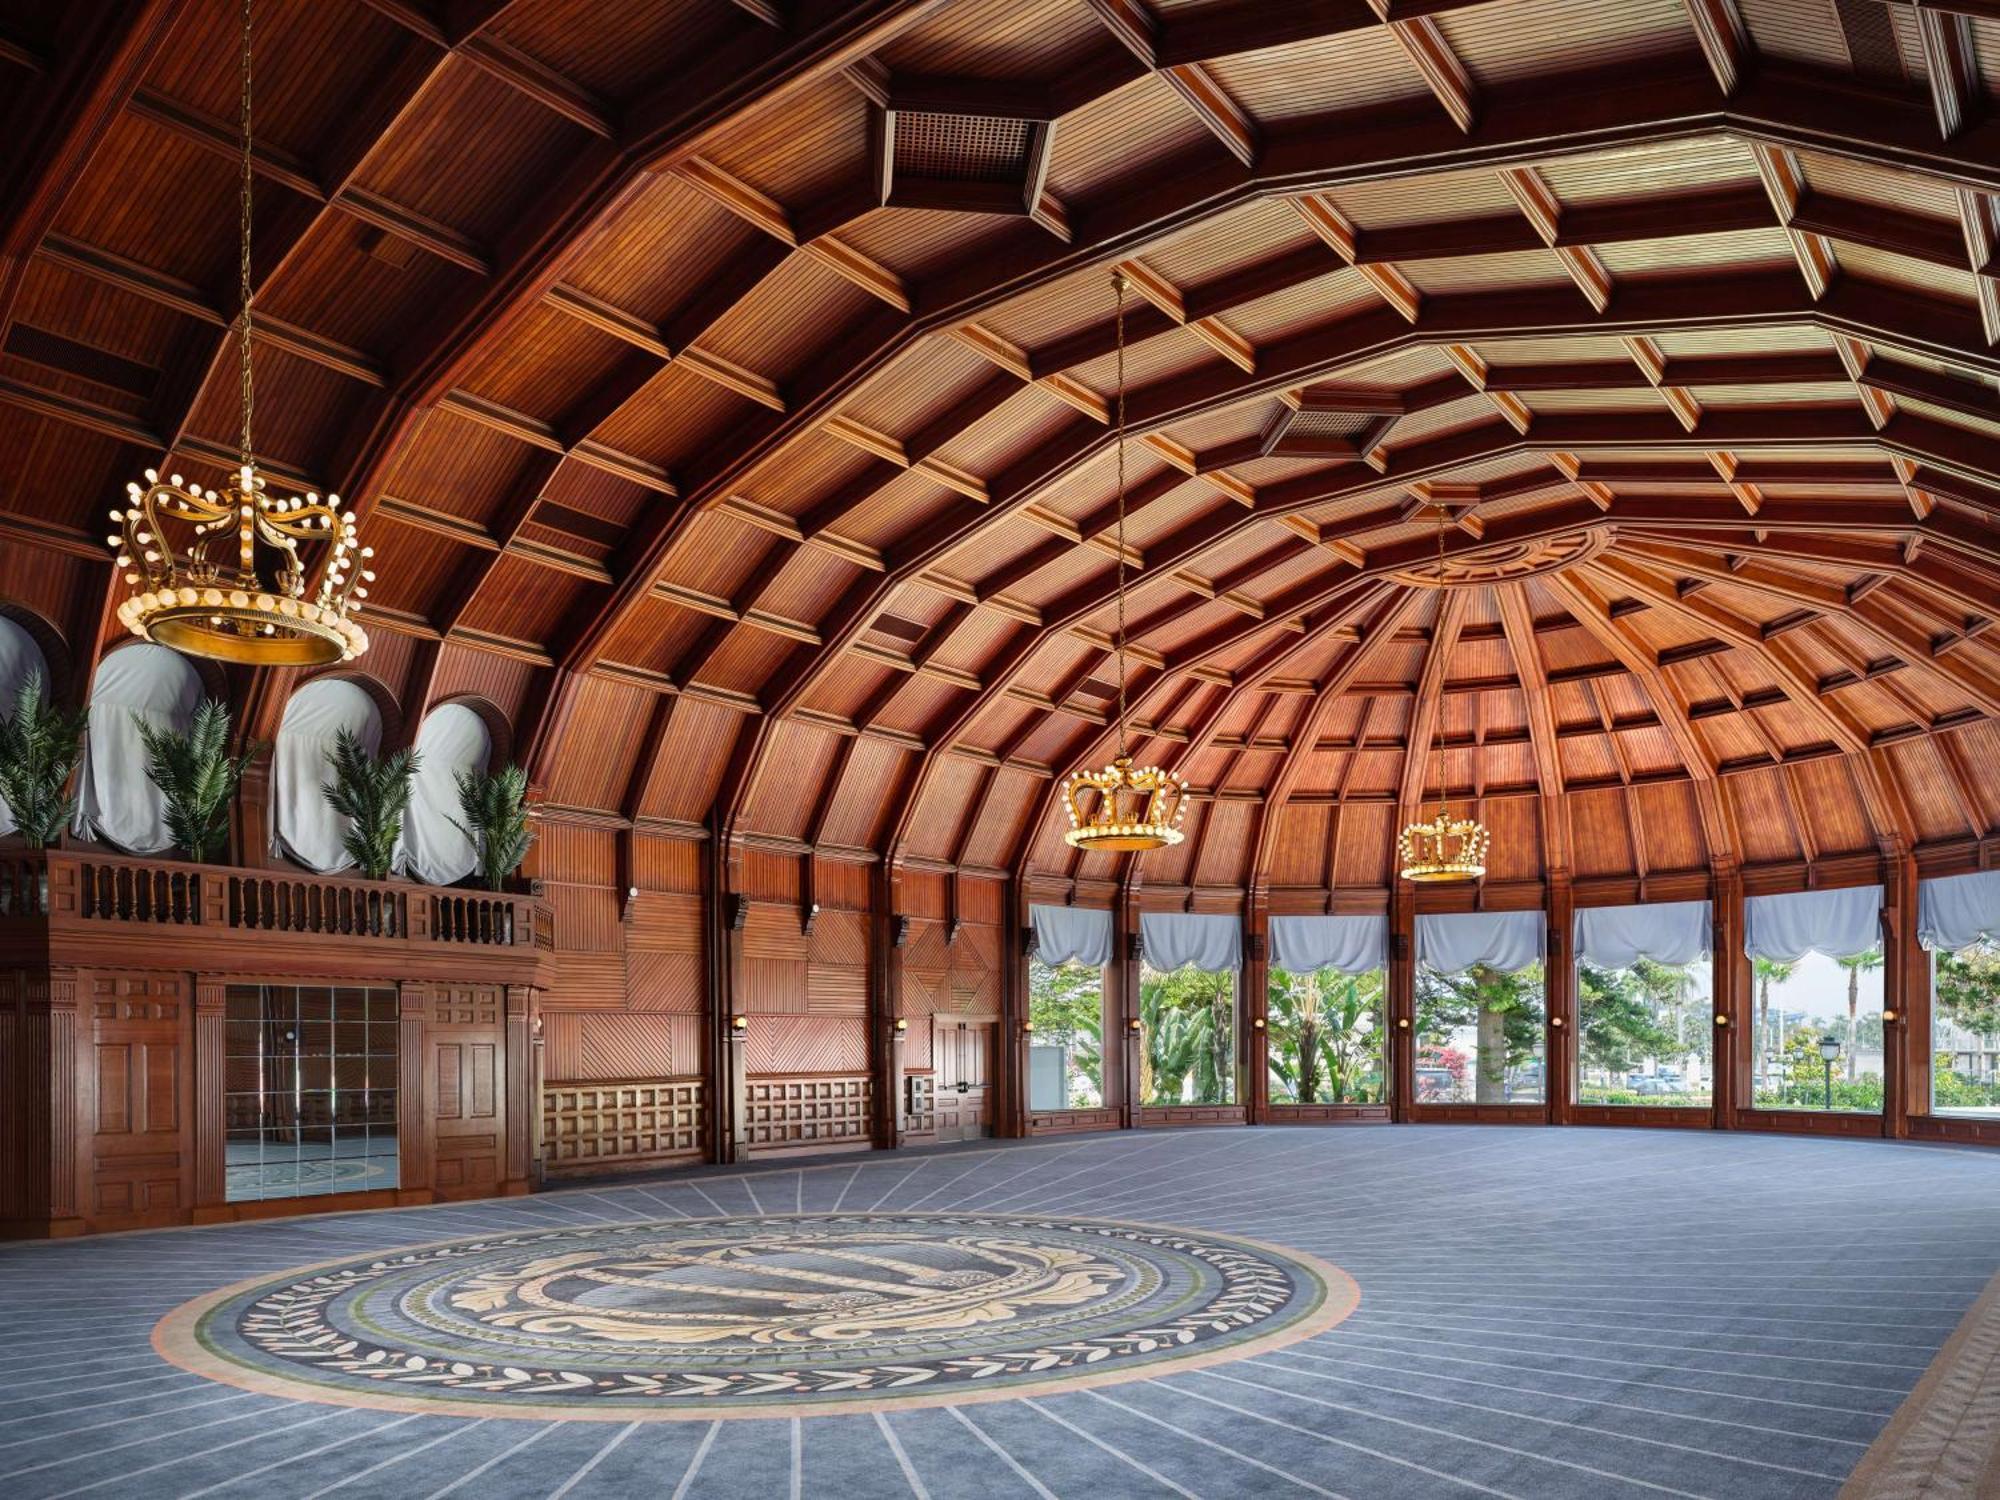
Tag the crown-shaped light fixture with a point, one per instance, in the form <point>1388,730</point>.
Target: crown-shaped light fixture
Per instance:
<point>1446,848</point>
<point>1123,808</point>
<point>252,605</point>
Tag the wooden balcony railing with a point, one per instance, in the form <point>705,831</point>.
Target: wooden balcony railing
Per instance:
<point>123,892</point>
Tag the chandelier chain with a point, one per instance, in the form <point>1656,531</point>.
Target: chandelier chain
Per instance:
<point>243,249</point>
<point>1443,785</point>
<point>1118,286</point>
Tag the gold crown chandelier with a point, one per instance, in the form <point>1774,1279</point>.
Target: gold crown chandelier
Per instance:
<point>1446,848</point>
<point>252,607</point>
<point>1135,807</point>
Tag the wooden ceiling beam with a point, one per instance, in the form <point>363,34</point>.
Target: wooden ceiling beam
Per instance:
<point>1958,97</point>
<point>62,116</point>
<point>1724,40</point>
<point>1590,609</point>
<point>1380,631</point>
<point>1770,105</point>
<point>1517,622</point>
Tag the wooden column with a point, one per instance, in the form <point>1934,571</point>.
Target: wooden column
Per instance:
<point>1125,964</point>
<point>1559,993</point>
<point>888,932</point>
<point>1731,1039</point>
<point>414,1132</point>
<point>211,1087</point>
<point>1015,937</point>
<point>1402,988</point>
<point>250,817</point>
<point>1906,1000</point>
<point>724,1087</point>
<point>1253,1006</point>
<point>524,1104</point>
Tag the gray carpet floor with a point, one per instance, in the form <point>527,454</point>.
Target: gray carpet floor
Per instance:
<point>1545,1314</point>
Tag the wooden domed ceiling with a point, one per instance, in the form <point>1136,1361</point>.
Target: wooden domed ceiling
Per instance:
<point>727,389</point>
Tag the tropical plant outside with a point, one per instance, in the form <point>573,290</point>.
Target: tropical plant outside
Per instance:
<point>1326,1037</point>
<point>1643,1034</point>
<point>1965,989</point>
<point>40,744</point>
<point>1189,1022</point>
<point>1495,1020</point>
<point>1802,1004</point>
<point>196,776</point>
<point>372,793</point>
<point>1066,1008</point>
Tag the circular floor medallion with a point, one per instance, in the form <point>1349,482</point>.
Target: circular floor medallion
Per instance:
<point>756,1316</point>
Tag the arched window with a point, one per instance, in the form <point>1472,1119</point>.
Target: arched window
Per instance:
<point>452,739</point>
<point>20,659</point>
<point>118,801</point>
<point>303,826</point>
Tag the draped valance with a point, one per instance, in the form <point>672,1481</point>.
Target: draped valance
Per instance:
<point>1839,924</point>
<point>20,659</point>
<point>117,800</point>
<point>1451,942</point>
<point>1352,945</point>
<point>1176,940</point>
<point>303,825</point>
<point>1071,934</point>
<point>452,739</point>
<point>1667,932</point>
<point>1956,911</point>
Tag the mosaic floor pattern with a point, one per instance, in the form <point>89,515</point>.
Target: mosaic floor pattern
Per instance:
<point>751,1315</point>
<point>1544,1315</point>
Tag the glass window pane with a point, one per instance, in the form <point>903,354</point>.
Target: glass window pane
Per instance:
<point>1644,1034</point>
<point>1189,1052</point>
<point>1965,1032</point>
<point>1326,1037</point>
<point>1066,1055</point>
<point>311,1106</point>
<point>1479,1036</point>
<point>1816,1039</point>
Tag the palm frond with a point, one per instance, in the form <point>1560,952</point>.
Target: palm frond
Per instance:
<point>196,775</point>
<point>40,744</point>
<point>372,794</point>
<point>495,813</point>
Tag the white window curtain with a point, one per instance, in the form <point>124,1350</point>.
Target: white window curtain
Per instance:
<point>1352,945</point>
<point>1956,911</point>
<point>1451,942</point>
<point>452,739</point>
<point>1667,932</point>
<point>20,659</point>
<point>1177,940</point>
<point>118,801</point>
<point>1071,934</point>
<point>1839,924</point>
<point>303,826</point>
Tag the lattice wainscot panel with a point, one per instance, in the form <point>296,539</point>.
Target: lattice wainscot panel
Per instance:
<point>829,1109</point>
<point>624,1123</point>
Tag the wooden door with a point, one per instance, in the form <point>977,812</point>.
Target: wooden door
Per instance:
<point>466,1045</point>
<point>137,1132</point>
<point>962,1053</point>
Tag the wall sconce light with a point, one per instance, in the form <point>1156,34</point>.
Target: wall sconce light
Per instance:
<point>1556,1022</point>
<point>1256,1023</point>
<point>1135,1026</point>
<point>1888,1015</point>
<point>1721,1019</point>
<point>739,1024</point>
<point>1027,1028</point>
<point>899,1026</point>
<point>1402,1023</point>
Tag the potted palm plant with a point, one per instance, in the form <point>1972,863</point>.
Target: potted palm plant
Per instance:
<point>40,744</point>
<point>197,776</point>
<point>495,812</point>
<point>372,793</point>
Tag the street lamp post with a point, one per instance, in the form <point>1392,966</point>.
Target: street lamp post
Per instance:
<point>1829,1052</point>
